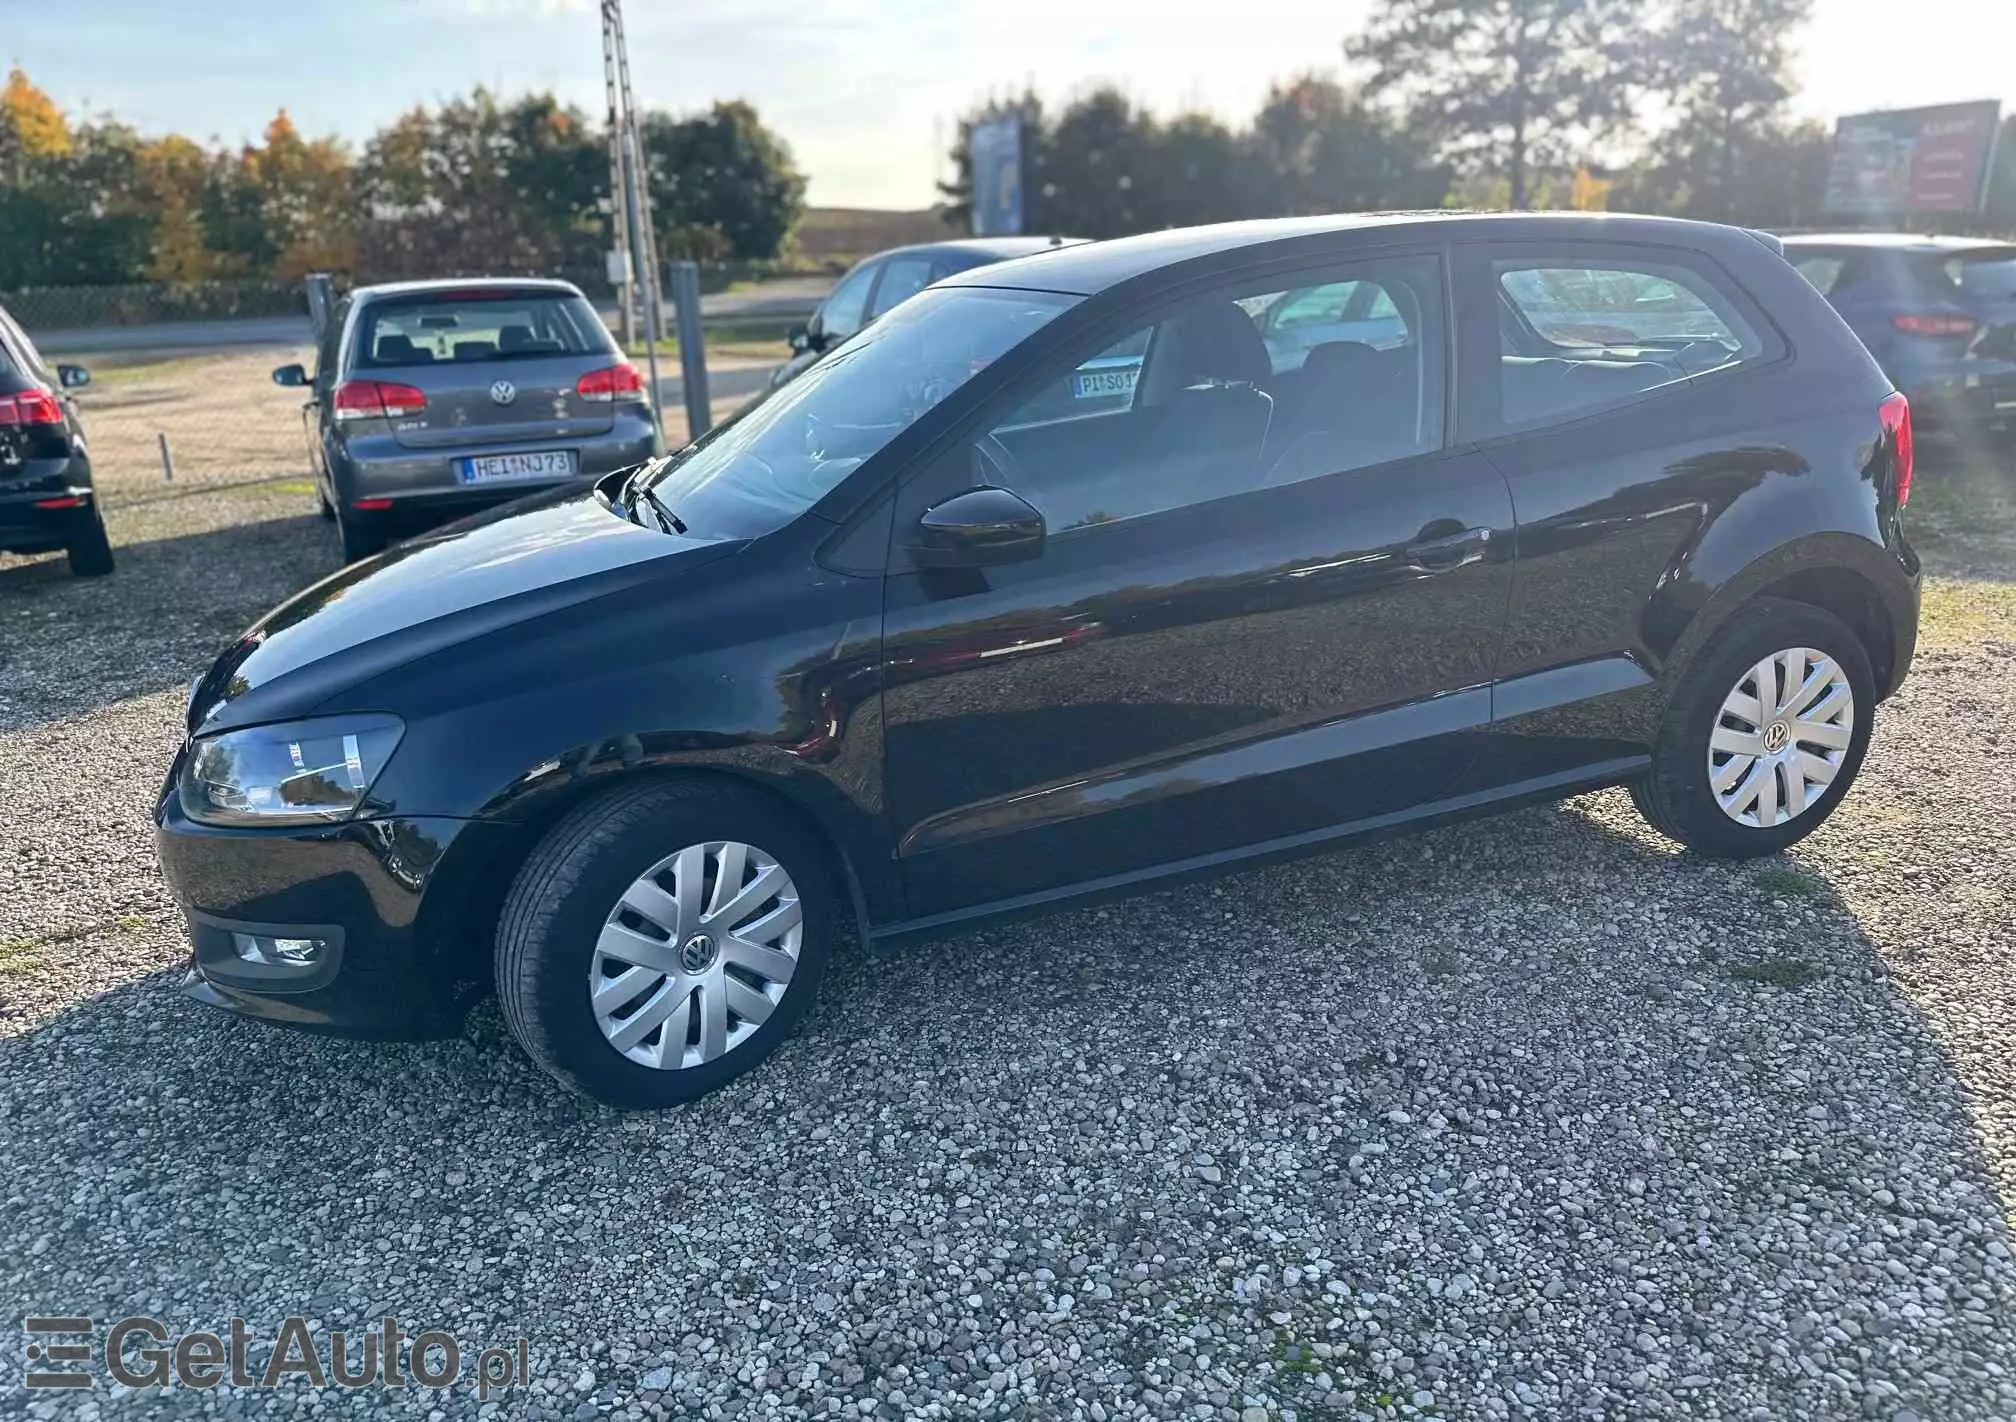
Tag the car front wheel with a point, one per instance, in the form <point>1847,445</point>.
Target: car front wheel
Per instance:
<point>1764,735</point>
<point>662,940</point>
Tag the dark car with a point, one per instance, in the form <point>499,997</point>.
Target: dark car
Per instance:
<point>909,644</point>
<point>877,284</point>
<point>46,498</point>
<point>1938,313</point>
<point>434,399</point>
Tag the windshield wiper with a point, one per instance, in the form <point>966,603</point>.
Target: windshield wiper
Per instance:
<point>635,489</point>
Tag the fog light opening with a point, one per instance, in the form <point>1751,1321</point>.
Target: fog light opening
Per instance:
<point>279,952</point>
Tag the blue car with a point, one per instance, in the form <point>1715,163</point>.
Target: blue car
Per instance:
<point>1938,313</point>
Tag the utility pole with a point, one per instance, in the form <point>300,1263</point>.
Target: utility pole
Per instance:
<point>621,270</point>
<point>631,185</point>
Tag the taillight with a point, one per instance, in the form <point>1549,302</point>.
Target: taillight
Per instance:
<point>1934,325</point>
<point>31,407</point>
<point>1896,413</point>
<point>373,399</point>
<point>617,382</point>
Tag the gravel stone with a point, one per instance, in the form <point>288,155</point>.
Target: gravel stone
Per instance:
<point>1441,1151</point>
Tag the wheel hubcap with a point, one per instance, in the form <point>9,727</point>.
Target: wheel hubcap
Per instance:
<point>1781,737</point>
<point>696,955</point>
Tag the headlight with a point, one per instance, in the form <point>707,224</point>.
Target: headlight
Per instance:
<point>301,772</point>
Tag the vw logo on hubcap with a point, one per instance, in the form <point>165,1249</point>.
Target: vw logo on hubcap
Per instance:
<point>696,954</point>
<point>503,392</point>
<point>1775,737</point>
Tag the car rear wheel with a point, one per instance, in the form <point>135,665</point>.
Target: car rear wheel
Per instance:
<point>662,940</point>
<point>1764,736</point>
<point>323,507</point>
<point>358,537</point>
<point>91,551</point>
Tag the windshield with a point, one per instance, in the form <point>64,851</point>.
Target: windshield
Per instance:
<point>775,459</point>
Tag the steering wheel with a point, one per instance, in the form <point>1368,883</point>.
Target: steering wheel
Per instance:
<point>1006,469</point>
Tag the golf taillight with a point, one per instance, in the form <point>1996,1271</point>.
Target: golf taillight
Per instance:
<point>616,382</point>
<point>1934,325</point>
<point>1896,413</point>
<point>375,399</point>
<point>31,407</point>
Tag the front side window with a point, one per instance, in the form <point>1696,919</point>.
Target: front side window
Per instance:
<point>1208,400</point>
<point>1579,337</point>
<point>478,328</point>
<point>843,312</point>
<point>902,278</point>
<point>759,469</point>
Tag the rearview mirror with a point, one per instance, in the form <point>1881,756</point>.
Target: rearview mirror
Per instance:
<point>977,529</point>
<point>72,377</point>
<point>295,374</point>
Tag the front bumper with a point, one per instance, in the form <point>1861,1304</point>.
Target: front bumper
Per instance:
<point>403,905</point>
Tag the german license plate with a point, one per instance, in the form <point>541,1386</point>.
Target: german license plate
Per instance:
<point>508,468</point>
<point>1091,384</point>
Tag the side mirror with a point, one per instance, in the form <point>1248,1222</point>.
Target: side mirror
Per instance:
<point>295,374</point>
<point>977,529</point>
<point>72,377</point>
<point>800,339</point>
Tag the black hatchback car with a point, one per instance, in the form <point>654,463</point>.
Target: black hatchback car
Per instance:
<point>47,500</point>
<point>941,631</point>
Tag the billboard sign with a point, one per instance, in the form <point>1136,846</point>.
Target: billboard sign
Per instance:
<point>1891,165</point>
<point>996,149</point>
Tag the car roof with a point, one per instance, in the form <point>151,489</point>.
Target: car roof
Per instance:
<point>1893,241</point>
<point>449,284</point>
<point>1094,266</point>
<point>984,249</point>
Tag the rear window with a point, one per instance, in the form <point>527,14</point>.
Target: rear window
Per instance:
<point>469,330</point>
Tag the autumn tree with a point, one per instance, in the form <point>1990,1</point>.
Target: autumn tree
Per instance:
<point>1506,87</point>
<point>1320,147</point>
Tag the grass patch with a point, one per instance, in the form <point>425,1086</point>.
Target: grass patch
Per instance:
<point>1776,972</point>
<point>19,955</point>
<point>1956,611</point>
<point>1789,883</point>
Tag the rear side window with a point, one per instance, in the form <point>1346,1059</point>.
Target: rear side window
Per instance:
<point>1990,274</point>
<point>478,330</point>
<point>1578,337</point>
<point>1822,269</point>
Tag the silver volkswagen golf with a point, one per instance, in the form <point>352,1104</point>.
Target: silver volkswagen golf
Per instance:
<point>433,399</point>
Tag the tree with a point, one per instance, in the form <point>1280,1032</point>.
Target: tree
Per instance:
<point>483,186</point>
<point>721,184</point>
<point>32,128</point>
<point>1319,147</point>
<point>1506,86</point>
<point>1723,66</point>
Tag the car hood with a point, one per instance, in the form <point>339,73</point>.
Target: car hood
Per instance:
<point>467,580</point>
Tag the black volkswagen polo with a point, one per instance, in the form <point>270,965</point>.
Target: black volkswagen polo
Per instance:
<point>1070,576</point>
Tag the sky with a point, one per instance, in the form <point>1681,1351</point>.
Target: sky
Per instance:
<point>865,91</point>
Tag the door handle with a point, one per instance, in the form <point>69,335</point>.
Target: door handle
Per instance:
<point>1450,550</point>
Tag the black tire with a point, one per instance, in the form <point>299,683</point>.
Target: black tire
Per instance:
<point>358,538</point>
<point>562,897</point>
<point>1675,796</point>
<point>323,507</point>
<point>91,551</point>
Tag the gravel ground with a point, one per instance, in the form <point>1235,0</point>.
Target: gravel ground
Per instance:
<point>1532,1117</point>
